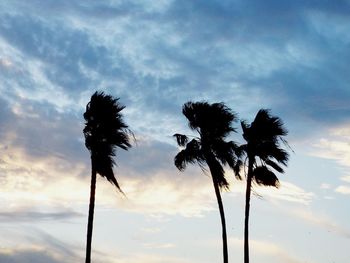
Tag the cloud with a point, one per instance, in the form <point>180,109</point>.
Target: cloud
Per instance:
<point>335,146</point>
<point>278,252</point>
<point>343,189</point>
<point>38,130</point>
<point>146,174</point>
<point>336,149</point>
<point>32,186</point>
<point>23,216</point>
<point>177,56</point>
<point>156,55</point>
<point>152,258</point>
<point>169,195</point>
<point>159,246</point>
<point>44,152</point>
<point>346,178</point>
<point>325,186</point>
<point>287,192</point>
<point>322,221</point>
<point>269,251</point>
<point>5,63</point>
<point>35,246</point>
<point>46,255</point>
<point>29,255</point>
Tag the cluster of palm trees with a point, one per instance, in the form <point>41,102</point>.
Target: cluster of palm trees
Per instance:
<point>259,158</point>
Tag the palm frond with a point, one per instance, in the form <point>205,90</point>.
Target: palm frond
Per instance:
<point>211,120</point>
<point>270,149</point>
<point>237,169</point>
<point>105,131</point>
<point>245,129</point>
<point>103,166</point>
<point>263,176</point>
<point>267,127</point>
<point>225,152</point>
<point>181,139</point>
<point>274,165</point>
<point>286,144</point>
<point>191,154</point>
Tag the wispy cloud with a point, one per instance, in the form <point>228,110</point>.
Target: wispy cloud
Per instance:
<point>156,55</point>
<point>159,246</point>
<point>325,186</point>
<point>38,247</point>
<point>287,192</point>
<point>321,220</point>
<point>268,250</point>
<point>39,255</point>
<point>335,146</point>
<point>23,216</point>
<point>343,189</point>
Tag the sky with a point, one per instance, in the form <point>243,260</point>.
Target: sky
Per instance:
<point>292,57</point>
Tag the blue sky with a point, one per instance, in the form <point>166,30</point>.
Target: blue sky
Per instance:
<point>289,56</point>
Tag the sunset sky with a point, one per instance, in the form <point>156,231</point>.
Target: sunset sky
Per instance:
<point>292,57</point>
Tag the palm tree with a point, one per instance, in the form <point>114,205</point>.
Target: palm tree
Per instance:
<point>104,131</point>
<point>213,122</point>
<point>263,151</point>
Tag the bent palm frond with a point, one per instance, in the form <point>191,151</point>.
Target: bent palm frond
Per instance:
<point>263,176</point>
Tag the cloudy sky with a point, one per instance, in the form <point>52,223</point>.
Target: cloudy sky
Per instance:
<point>292,57</point>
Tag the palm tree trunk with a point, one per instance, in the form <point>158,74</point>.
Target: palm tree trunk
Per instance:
<point>223,222</point>
<point>91,212</point>
<point>247,209</point>
<point>212,164</point>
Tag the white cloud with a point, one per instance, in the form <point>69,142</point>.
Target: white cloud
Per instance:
<point>159,246</point>
<point>320,220</point>
<point>158,192</point>
<point>36,183</point>
<point>343,189</point>
<point>150,230</point>
<point>149,258</point>
<point>6,63</point>
<point>34,254</point>
<point>346,178</point>
<point>331,25</point>
<point>33,71</point>
<point>325,186</point>
<point>286,192</point>
<point>328,197</point>
<point>274,252</point>
<point>169,194</point>
<point>336,146</point>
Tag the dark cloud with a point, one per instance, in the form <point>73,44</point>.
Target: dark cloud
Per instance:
<point>156,59</point>
<point>147,158</point>
<point>42,248</point>
<point>32,133</point>
<point>65,52</point>
<point>30,256</point>
<point>30,216</point>
<point>41,130</point>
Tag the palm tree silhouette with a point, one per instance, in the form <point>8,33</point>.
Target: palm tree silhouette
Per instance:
<point>104,131</point>
<point>263,151</point>
<point>213,122</point>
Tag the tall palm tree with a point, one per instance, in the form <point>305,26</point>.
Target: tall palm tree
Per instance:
<point>263,151</point>
<point>104,131</point>
<point>214,123</point>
